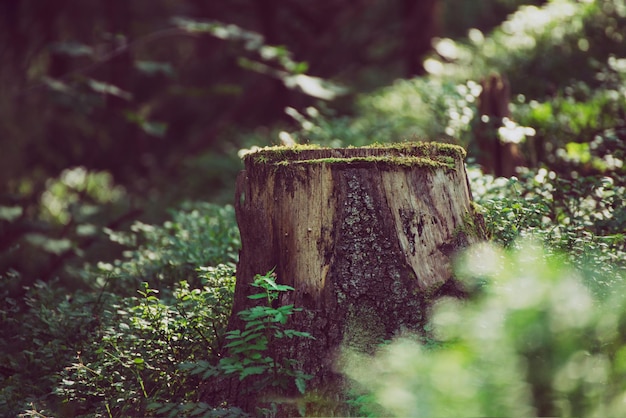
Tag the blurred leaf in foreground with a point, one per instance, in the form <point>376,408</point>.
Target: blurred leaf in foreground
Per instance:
<point>532,341</point>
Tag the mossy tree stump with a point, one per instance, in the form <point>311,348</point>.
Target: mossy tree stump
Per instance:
<point>364,235</point>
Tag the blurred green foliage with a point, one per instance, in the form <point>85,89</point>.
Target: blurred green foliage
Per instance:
<point>582,218</point>
<point>533,341</point>
<point>52,233</point>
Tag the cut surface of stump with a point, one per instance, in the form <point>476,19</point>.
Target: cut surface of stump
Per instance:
<point>364,235</point>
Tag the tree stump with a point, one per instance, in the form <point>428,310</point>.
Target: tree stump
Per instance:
<point>364,235</point>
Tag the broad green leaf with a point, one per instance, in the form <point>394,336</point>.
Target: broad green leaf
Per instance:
<point>155,67</point>
<point>252,336</point>
<point>280,317</point>
<point>106,88</point>
<point>283,288</point>
<point>293,333</point>
<point>235,343</point>
<point>254,327</point>
<point>259,345</point>
<point>249,371</point>
<point>300,384</point>
<point>10,213</point>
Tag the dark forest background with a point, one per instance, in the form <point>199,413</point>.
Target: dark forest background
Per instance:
<point>158,96</point>
<point>142,89</point>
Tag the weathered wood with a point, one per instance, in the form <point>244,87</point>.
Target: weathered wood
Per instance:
<point>364,235</point>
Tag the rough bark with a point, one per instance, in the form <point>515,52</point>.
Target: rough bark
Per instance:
<point>364,235</point>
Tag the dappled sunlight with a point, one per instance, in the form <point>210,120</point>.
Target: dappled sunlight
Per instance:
<point>76,192</point>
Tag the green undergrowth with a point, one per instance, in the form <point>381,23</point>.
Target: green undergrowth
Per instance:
<point>113,349</point>
<point>534,340</point>
<point>118,349</point>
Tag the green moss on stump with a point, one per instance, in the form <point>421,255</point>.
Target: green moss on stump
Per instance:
<point>432,155</point>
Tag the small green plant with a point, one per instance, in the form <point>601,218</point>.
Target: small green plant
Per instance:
<point>253,351</point>
<point>265,325</point>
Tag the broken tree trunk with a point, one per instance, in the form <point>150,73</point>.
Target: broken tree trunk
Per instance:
<point>364,235</point>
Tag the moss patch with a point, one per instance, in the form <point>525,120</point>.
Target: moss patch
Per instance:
<point>473,224</point>
<point>411,161</point>
<point>432,155</point>
<point>364,331</point>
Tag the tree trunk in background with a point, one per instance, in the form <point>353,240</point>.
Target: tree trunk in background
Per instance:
<point>266,14</point>
<point>420,19</point>
<point>496,157</point>
<point>364,235</point>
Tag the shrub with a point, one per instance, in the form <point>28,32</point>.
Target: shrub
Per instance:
<point>198,234</point>
<point>110,351</point>
<point>39,335</point>
<point>253,353</point>
<point>583,218</point>
<point>132,359</point>
<point>534,341</point>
